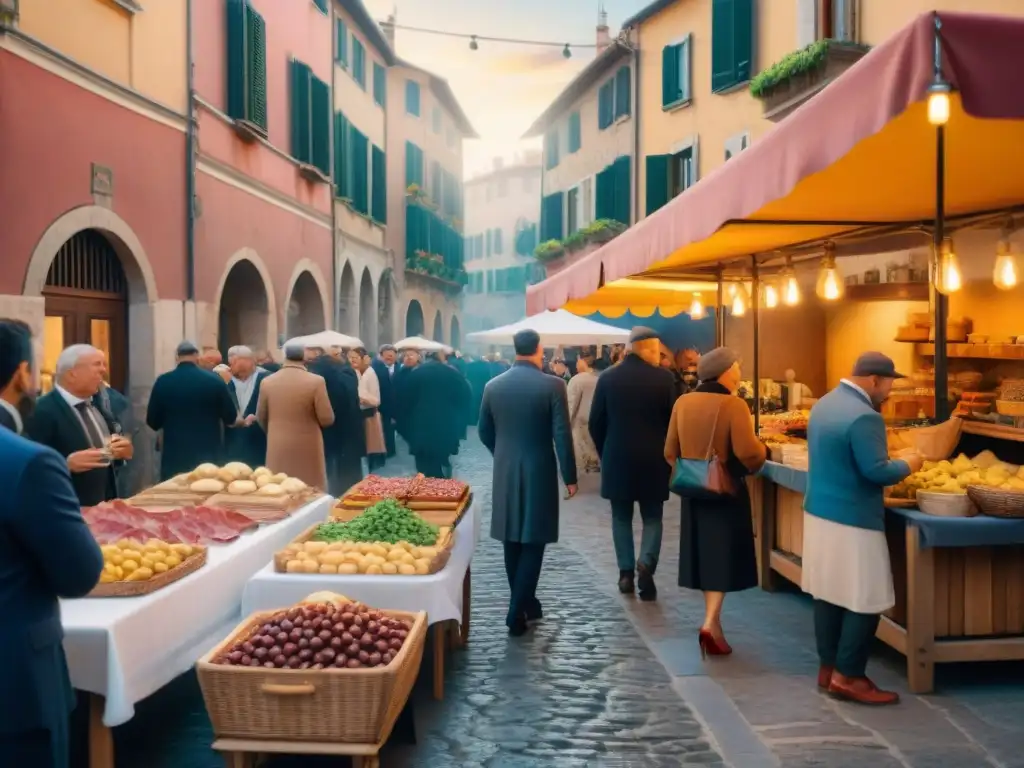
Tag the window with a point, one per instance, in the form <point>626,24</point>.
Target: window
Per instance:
<point>497,242</point>
<point>682,171</point>
<point>732,43</point>
<point>736,144</point>
<point>413,165</point>
<point>478,246</point>
<point>341,43</point>
<point>575,133</point>
<point>586,202</point>
<point>379,186</point>
<point>322,5</point>
<point>450,137</point>
<point>839,20</point>
<point>412,98</point>
<point>435,183</point>
<point>342,158</point>
<point>380,84</point>
<point>358,62</point>
<point>435,119</point>
<point>311,118</point>
<point>551,211</point>
<point>606,105</point>
<point>613,98</point>
<point>359,147</point>
<point>623,87</point>
<point>490,242</point>
<point>572,214</point>
<point>676,61</point>
<point>503,187</point>
<point>551,149</point>
<point>613,193</point>
<point>247,65</point>
<point>668,175</point>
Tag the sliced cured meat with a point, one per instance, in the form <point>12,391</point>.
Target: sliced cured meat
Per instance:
<point>115,520</point>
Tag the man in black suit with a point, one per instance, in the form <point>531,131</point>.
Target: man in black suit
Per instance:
<point>67,421</point>
<point>435,400</point>
<point>17,393</point>
<point>628,421</point>
<point>524,422</point>
<point>192,406</point>
<point>386,366</point>
<point>247,442</point>
<point>345,439</point>
<point>399,390</point>
<point>478,373</point>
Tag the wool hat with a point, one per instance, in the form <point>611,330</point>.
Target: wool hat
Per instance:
<point>643,333</point>
<point>715,363</point>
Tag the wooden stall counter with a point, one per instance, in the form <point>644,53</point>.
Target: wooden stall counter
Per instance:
<point>959,582</point>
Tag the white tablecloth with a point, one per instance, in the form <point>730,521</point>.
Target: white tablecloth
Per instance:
<point>439,594</point>
<point>127,648</point>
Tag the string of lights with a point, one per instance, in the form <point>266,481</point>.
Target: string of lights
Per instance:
<point>475,40</point>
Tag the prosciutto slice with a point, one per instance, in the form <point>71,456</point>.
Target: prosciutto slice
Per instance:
<point>115,520</point>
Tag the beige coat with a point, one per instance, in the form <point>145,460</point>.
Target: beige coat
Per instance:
<point>693,421</point>
<point>292,409</point>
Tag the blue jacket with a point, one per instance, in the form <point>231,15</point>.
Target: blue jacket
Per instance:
<point>849,464</point>
<point>46,552</point>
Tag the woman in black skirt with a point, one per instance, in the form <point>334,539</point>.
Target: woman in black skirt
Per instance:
<point>716,547</point>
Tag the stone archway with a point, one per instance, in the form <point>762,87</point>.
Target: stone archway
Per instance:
<point>455,337</point>
<point>306,309</point>
<point>367,311</point>
<point>438,327</point>
<point>386,308</point>
<point>414,323</point>
<point>347,309</point>
<point>244,312</point>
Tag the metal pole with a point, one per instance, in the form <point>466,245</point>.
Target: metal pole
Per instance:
<point>941,301</point>
<point>720,313</point>
<point>755,306</point>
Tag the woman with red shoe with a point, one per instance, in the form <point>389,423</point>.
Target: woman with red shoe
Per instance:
<point>716,547</point>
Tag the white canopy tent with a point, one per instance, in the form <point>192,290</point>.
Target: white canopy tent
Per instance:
<point>421,345</point>
<point>557,328</point>
<point>326,340</point>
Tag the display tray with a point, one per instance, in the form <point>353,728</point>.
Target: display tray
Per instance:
<point>191,564</point>
<point>168,499</point>
<point>403,489</point>
<point>326,705</point>
<point>444,544</point>
<point>447,514</point>
<point>264,509</point>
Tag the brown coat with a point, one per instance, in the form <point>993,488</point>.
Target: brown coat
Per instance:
<point>693,419</point>
<point>292,409</point>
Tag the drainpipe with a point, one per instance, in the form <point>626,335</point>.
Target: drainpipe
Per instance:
<point>190,169</point>
<point>335,288</point>
<point>636,125</point>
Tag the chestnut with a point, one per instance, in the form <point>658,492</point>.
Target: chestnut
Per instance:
<point>294,662</point>
<point>281,637</point>
<point>328,655</point>
<point>346,637</point>
<point>347,617</point>
<point>290,649</point>
<point>363,657</point>
<point>372,627</point>
<point>274,651</point>
<point>386,658</point>
<point>256,663</point>
<point>235,656</point>
<point>317,666</point>
<point>354,663</point>
<point>318,658</point>
<point>304,665</point>
<point>325,635</point>
<point>247,647</point>
<point>308,633</point>
<point>337,628</point>
<point>268,641</point>
<point>337,643</point>
<point>352,650</point>
<point>260,653</point>
<point>265,629</point>
<point>305,654</point>
<point>396,643</point>
<point>245,661</point>
<point>280,660</point>
<point>384,633</point>
<point>287,626</point>
<point>316,643</point>
<point>303,643</point>
<point>382,645</point>
<point>375,659</point>
<point>341,661</point>
<point>358,620</point>
<point>268,664</point>
<point>366,640</point>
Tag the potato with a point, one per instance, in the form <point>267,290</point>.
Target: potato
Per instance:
<point>242,487</point>
<point>183,550</point>
<point>280,477</point>
<point>407,559</point>
<point>156,556</point>
<point>146,562</point>
<point>428,552</point>
<point>377,549</point>
<point>156,544</point>
<point>295,566</point>
<point>422,567</point>
<point>396,555</point>
<point>374,568</point>
<point>141,574</point>
<point>263,480</point>
<point>117,558</point>
<point>109,549</point>
<point>407,569</point>
<point>130,566</point>
<point>332,558</point>
<point>337,546</point>
<point>293,485</point>
<point>389,568</point>
<point>327,568</point>
<point>348,568</point>
<point>364,547</point>
<point>353,557</point>
<point>206,470</point>
<point>107,578</point>
<point>173,561</point>
<point>131,554</point>
<point>311,566</point>
<point>314,547</point>
<point>160,568</point>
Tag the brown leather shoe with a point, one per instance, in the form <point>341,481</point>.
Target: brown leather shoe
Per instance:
<point>860,690</point>
<point>824,676</point>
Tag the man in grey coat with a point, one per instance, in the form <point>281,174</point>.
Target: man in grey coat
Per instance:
<point>524,412</point>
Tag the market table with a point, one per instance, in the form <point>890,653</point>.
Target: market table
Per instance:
<point>123,649</point>
<point>443,595</point>
<point>959,581</point>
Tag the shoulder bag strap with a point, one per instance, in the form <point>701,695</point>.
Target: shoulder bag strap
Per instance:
<point>714,430</point>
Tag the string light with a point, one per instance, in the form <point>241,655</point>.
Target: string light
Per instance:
<point>1005,274</point>
<point>769,296</point>
<point>830,285</point>
<point>948,278</point>
<point>697,311</point>
<point>790,285</point>
<point>475,40</point>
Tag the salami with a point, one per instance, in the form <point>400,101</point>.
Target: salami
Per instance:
<point>437,489</point>
<point>374,487</point>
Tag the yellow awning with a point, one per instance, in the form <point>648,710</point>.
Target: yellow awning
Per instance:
<point>643,298</point>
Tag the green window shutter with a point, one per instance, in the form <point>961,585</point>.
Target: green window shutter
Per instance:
<point>623,187</point>
<point>656,186</point>
<point>623,92</point>
<point>604,196</point>
<point>321,4</point>
<point>379,170</point>
<point>413,165</point>
<point>605,105</point>
<point>412,97</point>
<point>551,214</point>
<point>490,241</point>
<point>342,161</point>
<point>341,42</point>
<point>236,58</point>
<point>551,148</point>
<point>359,63</point>
<point>301,148</point>
<point>360,170</point>
<point>497,241</point>
<point>320,130</point>
<point>256,69</point>
<point>435,182</point>
<point>744,39</point>
<point>380,84</point>
<point>575,133</point>
<point>412,225</point>
<point>732,42</point>
<point>671,89</point>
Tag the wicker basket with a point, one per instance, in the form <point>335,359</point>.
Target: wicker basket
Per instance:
<point>445,543</point>
<point>355,706</point>
<point>946,504</point>
<point>191,564</point>
<point>997,502</point>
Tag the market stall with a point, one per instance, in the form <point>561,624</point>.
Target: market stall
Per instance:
<point>556,329</point>
<point>122,648</point>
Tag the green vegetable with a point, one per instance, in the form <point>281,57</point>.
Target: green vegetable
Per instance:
<point>386,521</point>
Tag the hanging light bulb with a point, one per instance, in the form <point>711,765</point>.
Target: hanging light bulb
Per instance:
<point>730,291</point>
<point>790,285</point>
<point>697,310</point>
<point>739,304</point>
<point>938,101</point>
<point>473,44</point>
<point>948,278</point>
<point>769,296</point>
<point>830,285</point>
<point>566,52</point>
<point>1005,275</point>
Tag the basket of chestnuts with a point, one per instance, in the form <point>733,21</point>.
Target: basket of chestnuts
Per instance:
<point>326,670</point>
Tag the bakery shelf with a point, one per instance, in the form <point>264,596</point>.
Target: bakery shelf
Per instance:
<point>1000,431</point>
<point>977,351</point>
<point>888,292</point>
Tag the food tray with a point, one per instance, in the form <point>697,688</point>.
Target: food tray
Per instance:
<point>155,498</point>
<point>449,516</point>
<point>445,543</point>
<point>325,705</point>
<point>946,504</point>
<point>190,564</point>
<point>252,502</point>
<point>997,502</point>
<point>354,499</point>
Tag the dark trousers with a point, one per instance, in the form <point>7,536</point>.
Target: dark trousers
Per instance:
<point>375,461</point>
<point>522,566</point>
<point>844,638</point>
<point>431,465</point>
<point>389,434</point>
<point>38,748</point>
<point>651,513</point>
<point>342,472</point>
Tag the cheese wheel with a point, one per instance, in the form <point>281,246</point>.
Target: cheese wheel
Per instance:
<point>207,485</point>
<point>242,487</point>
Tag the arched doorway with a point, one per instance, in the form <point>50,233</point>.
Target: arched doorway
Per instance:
<point>414,323</point>
<point>86,294</point>
<point>305,308</point>
<point>367,311</point>
<point>347,301</point>
<point>385,308</point>
<point>438,327</point>
<point>456,334</point>
<point>244,309</point>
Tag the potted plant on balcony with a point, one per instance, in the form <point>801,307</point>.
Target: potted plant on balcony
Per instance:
<point>549,251</point>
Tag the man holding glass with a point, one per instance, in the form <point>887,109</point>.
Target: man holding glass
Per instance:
<point>67,421</point>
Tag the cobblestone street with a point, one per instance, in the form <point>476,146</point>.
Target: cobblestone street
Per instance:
<point>608,681</point>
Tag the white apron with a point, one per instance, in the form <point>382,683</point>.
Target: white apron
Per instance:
<point>847,566</point>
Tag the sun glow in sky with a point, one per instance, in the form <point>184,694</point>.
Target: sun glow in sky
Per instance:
<point>502,87</point>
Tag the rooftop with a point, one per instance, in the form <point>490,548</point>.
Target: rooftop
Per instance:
<point>362,19</point>
<point>652,9</point>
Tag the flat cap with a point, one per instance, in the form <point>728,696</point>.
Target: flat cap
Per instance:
<point>715,363</point>
<point>876,364</point>
<point>643,333</point>
<point>186,348</point>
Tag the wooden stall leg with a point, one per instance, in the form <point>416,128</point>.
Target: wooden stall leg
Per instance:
<point>920,614</point>
<point>766,534</point>
<point>366,761</point>
<point>467,585</point>
<point>240,760</point>
<point>101,739</point>
<point>439,633</point>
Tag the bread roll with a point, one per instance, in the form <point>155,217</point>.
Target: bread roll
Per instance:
<point>270,489</point>
<point>241,487</point>
<point>293,485</point>
<point>240,470</point>
<point>260,471</point>
<point>207,485</point>
<point>280,477</point>
<point>262,480</point>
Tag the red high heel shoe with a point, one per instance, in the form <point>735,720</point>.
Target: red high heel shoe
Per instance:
<point>711,647</point>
